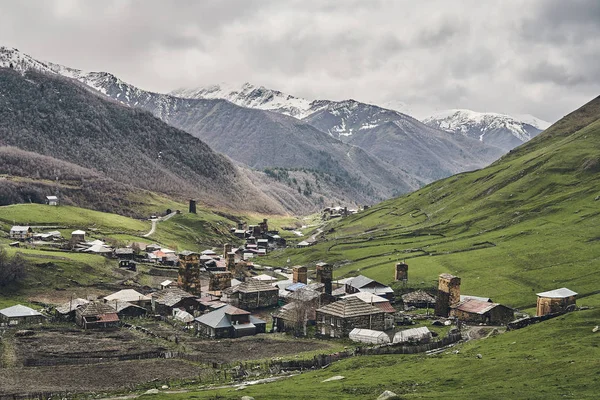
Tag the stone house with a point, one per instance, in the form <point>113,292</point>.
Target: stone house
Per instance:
<point>96,315</point>
<point>418,299</point>
<point>251,294</point>
<point>481,312</point>
<point>165,301</point>
<point>229,322</point>
<point>21,232</point>
<point>339,318</point>
<point>66,311</point>
<point>555,301</point>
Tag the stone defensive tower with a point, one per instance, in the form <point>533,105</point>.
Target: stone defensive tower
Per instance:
<point>300,274</point>
<point>401,272</point>
<point>325,276</point>
<point>447,295</point>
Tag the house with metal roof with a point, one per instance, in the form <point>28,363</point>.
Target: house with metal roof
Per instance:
<point>21,232</point>
<point>477,311</point>
<point>555,301</point>
<point>129,296</point>
<point>229,322</point>
<point>368,336</point>
<point>361,283</point>
<point>96,315</point>
<point>66,311</point>
<point>414,335</point>
<point>251,294</point>
<point>20,314</point>
<point>52,200</point>
<point>380,302</point>
<point>337,319</point>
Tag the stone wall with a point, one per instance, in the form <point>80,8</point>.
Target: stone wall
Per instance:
<point>253,300</point>
<point>331,326</point>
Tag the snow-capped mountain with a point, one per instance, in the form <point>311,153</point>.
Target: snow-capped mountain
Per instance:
<point>499,130</point>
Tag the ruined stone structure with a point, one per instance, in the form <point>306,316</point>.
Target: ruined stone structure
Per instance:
<point>401,272</point>
<point>447,295</point>
<point>193,206</point>
<point>300,274</point>
<point>325,276</point>
<point>264,226</point>
<point>189,272</point>
<point>219,280</point>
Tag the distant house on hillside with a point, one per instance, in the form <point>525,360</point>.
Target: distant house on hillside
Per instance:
<point>165,301</point>
<point>78,236</point>
<point>361,283</point>
<point>21,232</point>
<point>555,301</point>
<point>52,200</point>
<point>129,296</point>
<point>96,315</point>
<point>20,314</point>
<point>477,311</point>
<point>229,322</point>
<point>339,318</point>
<point>251,294</point>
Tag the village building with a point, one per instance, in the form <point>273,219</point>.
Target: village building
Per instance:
<point>100,249</point>
<point>368,336</point>
<point>125,253</point>
<point>52,200</point>
<point>414,335</point>
<point>78,236</point>
<point>481,312</point>
<point>464,297</point>
<point>361,283</point>
<point>20,314</point>
<point>300,274</point>
<point>251,294</point>
<point>129,296</point>
<point>165,301</point>
<point>128,310</point>
<point>555,301</point>
<point>219,280</point>
<point>418,299</point>
<point>21,232</point>
<point>229,322</point>
<point>96,315</point>
<point>66,311</point>
<point>339,318</point>
<point>448,294</point>
<point>380,302</point>
<point>166,284</point>
<point>324,272</point>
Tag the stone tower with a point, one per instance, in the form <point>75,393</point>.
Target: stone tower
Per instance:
<point>447,295</point>
<point>401,272</point>
<point>325,276</point>
<point>300,274</point>
<point>192,206</point>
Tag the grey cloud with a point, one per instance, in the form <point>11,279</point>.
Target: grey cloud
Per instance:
<point>545,71</point>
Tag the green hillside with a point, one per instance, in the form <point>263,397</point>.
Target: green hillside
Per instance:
<point>527,223</point>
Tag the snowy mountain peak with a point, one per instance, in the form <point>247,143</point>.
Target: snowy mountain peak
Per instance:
<point>500,130</point>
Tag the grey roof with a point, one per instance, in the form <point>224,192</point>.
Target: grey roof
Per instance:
<point>350,307</point>
<point>51,197</point>
<point>121,305</point>
<point>218,318</point>
<point>127,295</point>
<point>360,281</point>
<point>124,250</point>
<point>170,296</point>
<point>418,296</point>
<point>71,306</point>
<point>558,293</point>
<point>18,228</point>
<point>467,297</point>
<point>19,311</point>
<point>96,308</point>
<point>251,286</point>
<point>188,253</point>
<point>304,294</point>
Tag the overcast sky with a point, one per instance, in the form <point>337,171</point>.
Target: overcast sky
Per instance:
<point>517,56</point>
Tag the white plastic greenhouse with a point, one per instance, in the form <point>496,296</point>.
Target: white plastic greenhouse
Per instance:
<point>422,335</point>
<point>369,336</point>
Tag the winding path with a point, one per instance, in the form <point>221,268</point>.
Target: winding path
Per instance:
<point>155,221</point>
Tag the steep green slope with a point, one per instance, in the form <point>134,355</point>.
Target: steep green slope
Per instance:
<point>527,223</point>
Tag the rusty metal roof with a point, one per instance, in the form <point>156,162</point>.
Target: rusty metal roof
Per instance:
<point>474,306</point>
